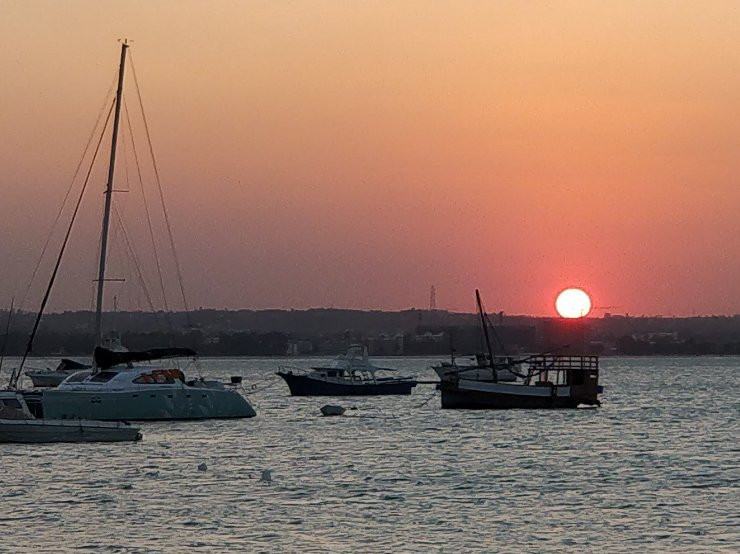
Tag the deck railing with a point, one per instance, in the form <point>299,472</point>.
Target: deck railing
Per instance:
<point>562,369</point>
<point>555,361</point>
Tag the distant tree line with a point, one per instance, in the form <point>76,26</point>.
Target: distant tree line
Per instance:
<point>409,332</point>
<point>631,346</point>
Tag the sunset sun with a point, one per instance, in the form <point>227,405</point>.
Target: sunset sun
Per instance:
<point>573,303</point>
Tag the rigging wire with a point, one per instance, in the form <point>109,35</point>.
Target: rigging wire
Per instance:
<point>7,333</point>
<point>486,323</point>
<point>66,195</point>
<point>125,154</point>
<point>94,278</point>
<point>116,240</point>
<point>16,374</point>
<point>148,217</point>
<point>135,260</point>
<point>495,334</point>
<point>122,266</point>
<point>161,197</point>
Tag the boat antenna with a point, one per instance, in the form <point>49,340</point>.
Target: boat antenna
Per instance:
<point>108,198</point>
<point>7,332</point>
<point>482,315</point>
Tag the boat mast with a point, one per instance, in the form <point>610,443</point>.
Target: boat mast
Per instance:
<point>108,198</point>
<point>485,333</point>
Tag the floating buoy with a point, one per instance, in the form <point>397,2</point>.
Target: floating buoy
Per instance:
<point>330,410</point>
<point>202,467</point>
<point>266,476</point>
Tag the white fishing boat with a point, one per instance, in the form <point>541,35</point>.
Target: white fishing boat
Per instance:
<point>18,424</point>
<point>350,374</point>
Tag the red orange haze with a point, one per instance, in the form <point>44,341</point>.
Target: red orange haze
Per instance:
<point>354,154</point>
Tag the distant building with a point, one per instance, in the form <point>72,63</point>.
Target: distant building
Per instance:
<point>299,347</point>
<point>386,345</point>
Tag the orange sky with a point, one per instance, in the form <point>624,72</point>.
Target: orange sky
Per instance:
<point>352,154</point>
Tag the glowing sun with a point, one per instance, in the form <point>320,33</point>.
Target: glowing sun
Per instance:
<point>573,303</point>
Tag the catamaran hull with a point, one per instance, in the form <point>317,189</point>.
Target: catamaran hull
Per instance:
<point>165,404</point>
<point>497,396</point>
<point>46,431</point>
<point>302,385</point>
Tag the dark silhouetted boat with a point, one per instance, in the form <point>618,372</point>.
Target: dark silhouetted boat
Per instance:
<point>549,381</point>
<point>542,381</point>
<point>350,374</point>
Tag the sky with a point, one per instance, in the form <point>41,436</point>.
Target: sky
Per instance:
<point>353,154</point>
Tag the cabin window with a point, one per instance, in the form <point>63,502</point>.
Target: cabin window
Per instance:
<point>12,403</point>
<point>103,376</point>
<point>332,374</point>
<point>160,376</point>
<point>78,377</point>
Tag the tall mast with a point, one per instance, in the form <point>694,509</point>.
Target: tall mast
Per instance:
<point>108,198</point>
<point>485,333</point>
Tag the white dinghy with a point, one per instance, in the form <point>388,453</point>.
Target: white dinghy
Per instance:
<point>17,424</point>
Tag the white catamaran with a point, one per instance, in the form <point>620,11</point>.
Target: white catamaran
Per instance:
<point>114,388</point>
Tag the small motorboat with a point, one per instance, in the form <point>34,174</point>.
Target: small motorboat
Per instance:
<point>18,424</point>
<point>53,377</point>
<point>350,374</point>
<point>49,378</point>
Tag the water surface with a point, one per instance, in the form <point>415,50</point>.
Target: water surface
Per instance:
<point>655,469</point>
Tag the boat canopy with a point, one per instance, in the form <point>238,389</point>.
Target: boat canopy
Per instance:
<point>105,358</point>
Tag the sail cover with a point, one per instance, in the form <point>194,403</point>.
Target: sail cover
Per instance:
<point>105,358</point>
<point>66,363</point>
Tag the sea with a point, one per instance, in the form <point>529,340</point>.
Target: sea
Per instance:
<point>655,469</point>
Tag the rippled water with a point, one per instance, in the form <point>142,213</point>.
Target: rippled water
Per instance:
<point>655,469</point>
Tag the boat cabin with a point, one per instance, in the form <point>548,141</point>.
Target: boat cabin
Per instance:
<point>124,377</point>
<point>343,374</point>
<point>558,370</point>
<point>13,406</point>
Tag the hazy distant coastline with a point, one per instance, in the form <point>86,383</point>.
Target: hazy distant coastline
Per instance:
<point>407,332</point>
